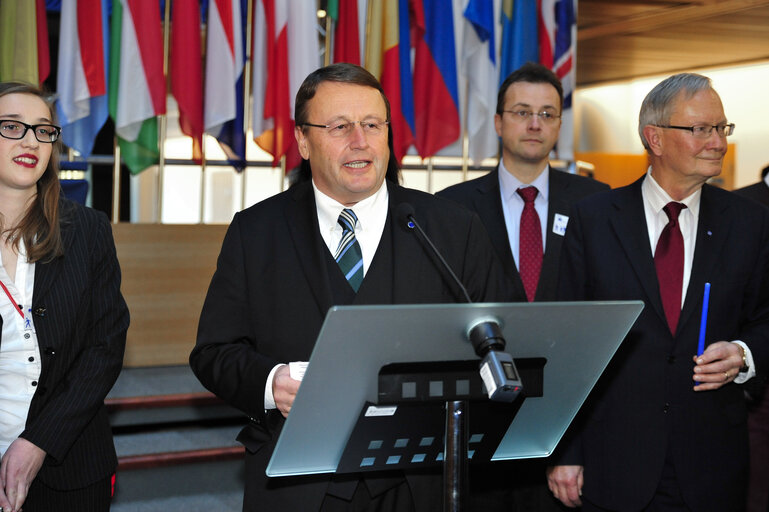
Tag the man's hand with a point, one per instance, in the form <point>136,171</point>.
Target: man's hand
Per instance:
<point>19,467</point>
<point>565,482</point>
<point>719,364</point>
<point>284,390</point>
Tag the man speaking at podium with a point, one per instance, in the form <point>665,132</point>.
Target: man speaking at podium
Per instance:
<point>334,238</point>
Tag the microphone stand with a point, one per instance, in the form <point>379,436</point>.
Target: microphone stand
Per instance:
<point>486,338</point>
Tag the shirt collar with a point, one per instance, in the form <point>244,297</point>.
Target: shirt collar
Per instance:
<point>329,208</point>
<point>766,180</point>
<point>658,198</point>
<point>509,184</point>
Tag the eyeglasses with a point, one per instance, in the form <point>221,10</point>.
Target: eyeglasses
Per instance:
<point>16,130</point>
<point>345,128</point>
<point>703,131</point>
<point>525,115</point>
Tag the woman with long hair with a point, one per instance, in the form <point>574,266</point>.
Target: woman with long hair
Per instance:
<point>63,321</point>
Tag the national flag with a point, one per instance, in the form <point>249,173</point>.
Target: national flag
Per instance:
<point>558,24</point>
<point>186,71</point>
<point>24,53</point>
<point>388,59</point>
<point>136,81</point>
<point>479,65</point>
<point>520,35</point>
<point>436,93</point>
<point>285,51</point>
<point>346,36</point>
<point>82,72</point>
<point>43,52</point>
<point>225,60</point>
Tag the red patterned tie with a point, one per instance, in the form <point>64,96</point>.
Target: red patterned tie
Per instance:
<point>669,261</point>
<point>530,243</point>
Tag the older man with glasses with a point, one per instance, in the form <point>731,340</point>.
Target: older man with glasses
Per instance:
<point>665,428</point>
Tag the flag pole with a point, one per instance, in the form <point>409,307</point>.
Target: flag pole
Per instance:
<point>116,181</point>
<point>465,134</point>
<point>162,121</point>
<point>430,174</point>
<point>201,219</point>
<point>327,41</point>
<point>247,87</point>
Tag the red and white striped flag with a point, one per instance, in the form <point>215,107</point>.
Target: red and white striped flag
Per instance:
<point>186,71</point>
<point>82,72</point>
<point>225,61</point>
<point>558,50</point>
<point>284,32</point>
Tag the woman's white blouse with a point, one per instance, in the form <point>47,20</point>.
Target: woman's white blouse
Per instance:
<point>19,350</point>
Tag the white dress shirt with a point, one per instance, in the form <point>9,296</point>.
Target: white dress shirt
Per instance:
<point>19,350</point>
<point>371,213</point>
<point>512,205</point>
<point>654,200</point>
<point>372,216</point>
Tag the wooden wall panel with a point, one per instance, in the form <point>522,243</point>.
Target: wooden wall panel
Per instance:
<point>166,271</point>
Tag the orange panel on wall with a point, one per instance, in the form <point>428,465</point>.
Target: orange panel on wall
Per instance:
<point>618,170</point>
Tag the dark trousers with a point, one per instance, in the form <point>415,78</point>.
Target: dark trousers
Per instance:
<point>758,433</point>
<point>397,498</point>
<point>667,498</point>
<point>94,498</point>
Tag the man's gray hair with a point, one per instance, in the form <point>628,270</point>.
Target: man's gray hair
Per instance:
<point>656,107</point>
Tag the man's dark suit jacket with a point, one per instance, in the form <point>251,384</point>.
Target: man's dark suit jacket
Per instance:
<point>482,196</point>
<point>81,322</point>
<point>644,406</point>
<point>757,192</point>
<point>275,280</point>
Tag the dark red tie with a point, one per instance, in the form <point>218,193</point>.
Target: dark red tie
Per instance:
<point>529,243</point>
<point>669,261</point>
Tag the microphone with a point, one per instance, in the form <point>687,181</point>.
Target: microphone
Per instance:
<point>405,214</point>
<point>497,369</point>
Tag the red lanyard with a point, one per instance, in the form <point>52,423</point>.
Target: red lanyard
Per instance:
<point>16,306</point>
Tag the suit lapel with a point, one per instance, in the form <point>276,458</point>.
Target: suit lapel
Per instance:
<point>47,273</point>
<point>556,204</point>
<point>406,247</point>
<point>629,224</point>
<point>712,230</point>
<point>302,218</point>
<point>487,202</point>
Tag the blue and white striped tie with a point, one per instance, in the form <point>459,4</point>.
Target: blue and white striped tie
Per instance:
<point>348,254</point>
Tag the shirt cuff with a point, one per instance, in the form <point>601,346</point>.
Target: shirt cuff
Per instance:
<point>746,376</point>
<point>269,399</point>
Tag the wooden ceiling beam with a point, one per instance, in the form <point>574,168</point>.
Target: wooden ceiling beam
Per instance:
<point>668,16</point>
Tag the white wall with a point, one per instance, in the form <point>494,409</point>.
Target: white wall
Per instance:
<point>606,116</point>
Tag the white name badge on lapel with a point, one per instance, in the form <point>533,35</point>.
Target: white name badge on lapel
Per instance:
<point>559,224</point>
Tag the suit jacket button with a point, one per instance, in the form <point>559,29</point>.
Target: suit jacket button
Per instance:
<point>672,359</point>
<point>666,408</point>
<point>49,351</point>
<point>39,311</point>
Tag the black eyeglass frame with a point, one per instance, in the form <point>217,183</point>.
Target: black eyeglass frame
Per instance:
<point>329,126</point>
<point>711,127</point>
<point>33,127</point>
<point>519,115</point>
